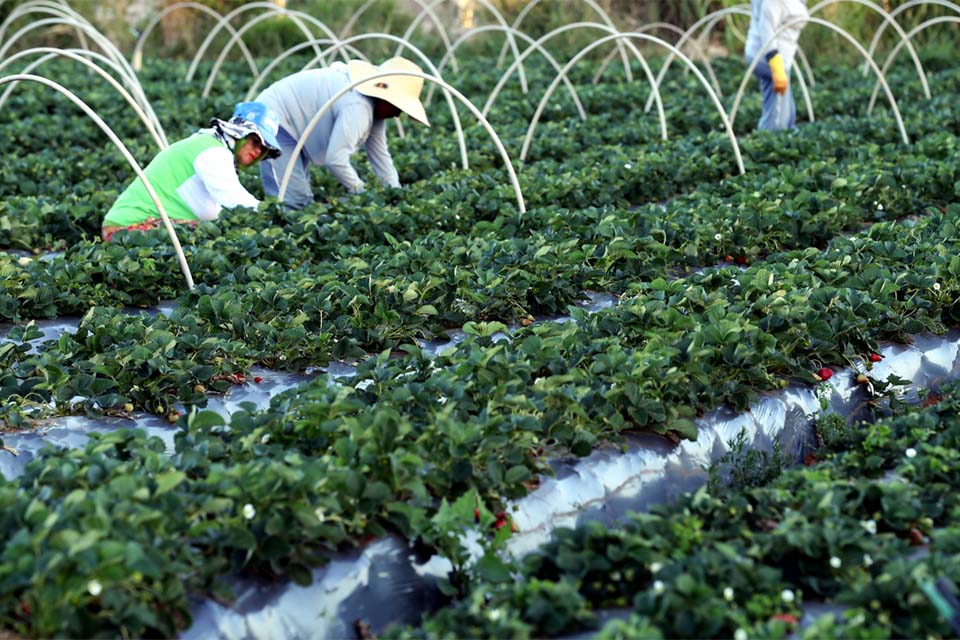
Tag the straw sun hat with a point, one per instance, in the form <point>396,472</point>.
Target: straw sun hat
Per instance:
<point>403,92</point>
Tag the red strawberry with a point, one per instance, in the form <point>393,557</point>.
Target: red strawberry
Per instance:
<point>258,379</point>
<point>875,357</point>
<point>499,524</point>
<point>785,617</point>
<point>810,459</point>
<point>476,515</point>
<point>931,400</point>
<point>916,538</point>
<point>741,259</point>
<point>728,258</point>
<point>825,373</point>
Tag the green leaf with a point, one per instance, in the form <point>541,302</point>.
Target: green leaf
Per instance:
<point>300,574</point>
<point>84,542</point>
<point>685,428</point>
<point>204,420</point>
<point>376,491</point>
<point>77,496</point>
<point>492,569</point>
<point>411,293</point>
<point>36,512</point>
<point>517,474</point>
<point>168,480</point>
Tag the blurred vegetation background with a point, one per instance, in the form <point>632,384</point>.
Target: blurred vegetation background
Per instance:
<point>181,31</point>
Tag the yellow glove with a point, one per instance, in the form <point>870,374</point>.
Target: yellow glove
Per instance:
<point>779,74</point>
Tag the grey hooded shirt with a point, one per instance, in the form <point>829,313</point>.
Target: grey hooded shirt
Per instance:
<point>347,126</point>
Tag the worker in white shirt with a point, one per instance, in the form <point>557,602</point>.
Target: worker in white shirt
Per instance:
<point>773,70</point>
<point>356,119</point>
<point>196,177</point>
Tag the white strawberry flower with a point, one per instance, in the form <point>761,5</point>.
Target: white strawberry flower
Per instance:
<point>94,588</point>
<point>658,587</point>
<point>787,596</point>
<point>728,594</point>
<point>718,237</point>
<point>870,526</point>
<point>740,634</point>
<point>936,286</point>
<point>655,567</point>
<point>911,452</point>
<point>835,562</point>
<point>249,511</point>
<point>867,560</point>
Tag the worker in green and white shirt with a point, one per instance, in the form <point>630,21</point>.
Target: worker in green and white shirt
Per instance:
<point>196,177</point>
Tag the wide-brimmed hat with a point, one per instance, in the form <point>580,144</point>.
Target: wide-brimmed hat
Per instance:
<point>264,121</point>
<point>403,92</point>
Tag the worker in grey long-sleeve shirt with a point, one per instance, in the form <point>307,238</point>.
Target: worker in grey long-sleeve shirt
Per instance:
<point>358,118</point>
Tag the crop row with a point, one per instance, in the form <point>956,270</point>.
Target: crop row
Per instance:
<point>608,177</point>
<point>866,528</point>
<point>48,202</point>
<point>286,309</point>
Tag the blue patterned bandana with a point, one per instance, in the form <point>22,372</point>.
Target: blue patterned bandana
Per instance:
<point>229,132</point>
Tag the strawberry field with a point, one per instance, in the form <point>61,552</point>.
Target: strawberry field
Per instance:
<point>408,371</point>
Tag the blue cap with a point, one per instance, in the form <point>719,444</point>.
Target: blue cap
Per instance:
<point>264,119</point>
